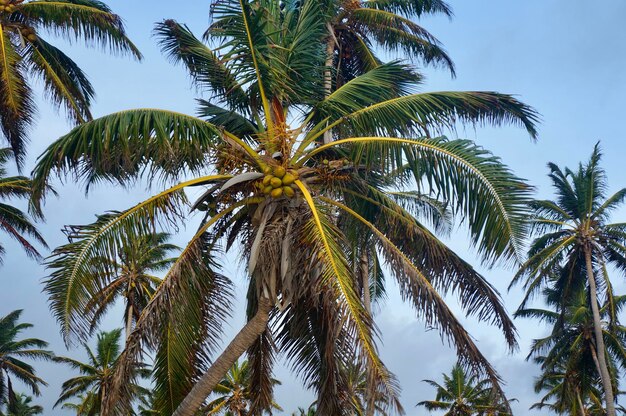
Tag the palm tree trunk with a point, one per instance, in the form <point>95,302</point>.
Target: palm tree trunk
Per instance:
<point>242,341</point>
<point>129,320</point>
<point>597,327</point>
<point>328,74</point>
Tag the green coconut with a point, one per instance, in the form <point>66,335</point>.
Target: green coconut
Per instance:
<point>276,182</point>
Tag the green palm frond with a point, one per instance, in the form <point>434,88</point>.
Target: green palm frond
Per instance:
<point>89,20</point>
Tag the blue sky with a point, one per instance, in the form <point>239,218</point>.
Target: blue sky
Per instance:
<point>564,58</point>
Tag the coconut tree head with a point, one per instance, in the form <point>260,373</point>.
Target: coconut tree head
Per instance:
<point>91,386</point>
<point>130,275</point>
<point>291,206</point>
<point>24,52</point>
<point>13,351</point>
<point>462,394</point>
<point>21,405</point>
<point>13,221</point>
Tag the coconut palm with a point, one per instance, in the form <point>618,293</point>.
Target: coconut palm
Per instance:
<point>84,406</point>
<point>92,385</point>
<point>234,393</point>
<point>292,207</point>
<point>462,394</point>
<point>21,405</point>
<point>13,221</point>
<point>127,275</point>
<point>576,238</point>
<point>357,29</point>
<point>305,412</point>
<point>24,52</point>
<point>12,351</point>
<point>568,356</point>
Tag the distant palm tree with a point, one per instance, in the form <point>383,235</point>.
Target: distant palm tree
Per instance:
<point>13,221</point>
<point>305,412</point>
<point>292,207</point>
<point>21,406</point>
<point>24,53</point>
<point>12,351</point>
<point>234,393</point>
<point>465,395</point>
<point>575,238</point>
<point>91,386</point>
<point>568,356</point>
<point>85,405</point>
<point>127,276</point>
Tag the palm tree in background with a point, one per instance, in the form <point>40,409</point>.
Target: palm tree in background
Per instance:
<point>13,221</point>
<point>462,394</point>
<point>24,53</point>
<point>576,240</point>
<point>305,412</point>
<point>21,405</point>
<point>127,276</point>
<point>568,356</point>
<point>85,405</point>
<point>234,393</point>
<point>12,351</point>
<point>92,385</point>
<point>291,206</point>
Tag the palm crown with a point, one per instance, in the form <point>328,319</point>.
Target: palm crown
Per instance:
<point>295,207</point>
<point>23,50</point>
<point>12,352</point>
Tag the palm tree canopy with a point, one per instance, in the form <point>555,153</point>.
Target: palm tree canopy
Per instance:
<point>13,221</point>
<point>294,207</point>
<point>462,394</point>
<point>578,217</point>
<point>21,405</point>
<point>13,351</point>
<point>128,275</point>
<point>95,375</point>
<point>24,52</point>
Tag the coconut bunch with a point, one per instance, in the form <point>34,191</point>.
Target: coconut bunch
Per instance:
<point>9,6</point>
<point>279,182</point>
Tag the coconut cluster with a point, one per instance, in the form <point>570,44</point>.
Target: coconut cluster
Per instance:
<point>8,6</point>
<point>28,33</point>
<point>279,182</point>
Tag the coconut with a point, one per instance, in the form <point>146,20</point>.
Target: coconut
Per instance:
<point>276,183</point>
<point>32,37</point>
<point>279,171</point>
<point>288,191</point>
<point>277,193</point>
<point>267,179</point>
<point>267,189</point>
<point>288,179</point>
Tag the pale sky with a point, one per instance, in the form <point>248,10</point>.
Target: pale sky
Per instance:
<point>565,58</point>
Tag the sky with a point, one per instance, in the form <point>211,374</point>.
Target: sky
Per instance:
<point>564,58</point>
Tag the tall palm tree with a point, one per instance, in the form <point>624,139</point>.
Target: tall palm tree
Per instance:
<point>13,221</point>
<point>127,275</point>
<point>95,378</point>
<point>234,393</point>
<point>24,52</point>
<point>462,394</point>
<point>21,405</point>
<point>292,206</point>
<point>12,351</point>
<point>575,237</point>
<point>568,355</point>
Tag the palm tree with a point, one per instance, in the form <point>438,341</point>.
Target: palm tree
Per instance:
<point>13,221</point>
<point>576,238</point>
<point>84,406</point>
<point>568,356</point>
<point>127,275</point>
<point>12,351</point>
<point>305,412</point>
<point>291,206</point>
<point>92,385</point>
<point>357,29</point>
<point>465,395</point>
<point>234,393</point>
<point>21,405</point>
<point>24,52</point>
